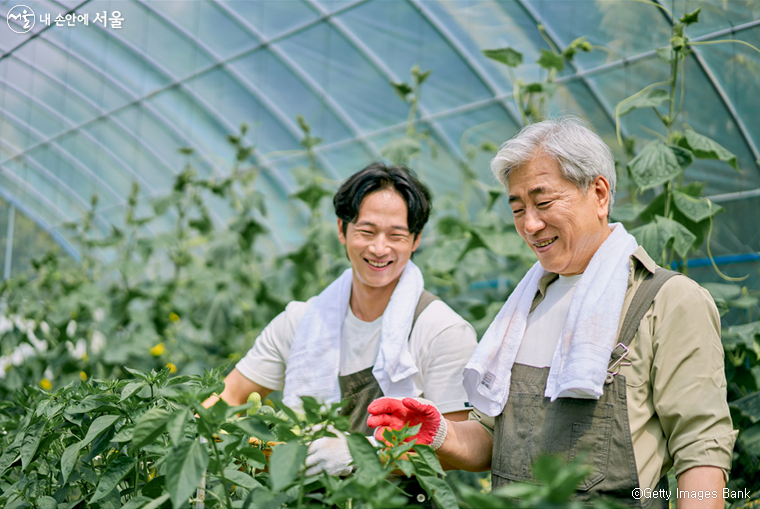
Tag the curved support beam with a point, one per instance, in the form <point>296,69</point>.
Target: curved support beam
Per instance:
<point>608,110</point>
<point>386,72</point>
<point>473,64</point>
<point>275,110</point>
<point>307,80</point>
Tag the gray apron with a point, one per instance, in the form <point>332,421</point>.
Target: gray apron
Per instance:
<point>362,389</point>
<point>531,424</point>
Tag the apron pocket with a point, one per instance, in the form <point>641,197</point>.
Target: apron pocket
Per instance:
<point>590,436</point>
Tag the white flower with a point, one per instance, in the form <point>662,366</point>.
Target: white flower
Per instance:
<point>41,346</point>
<point>45,328</point>
<point>19,322</point>
<point>5,325</point>
<point>99,314</point>
<point>4,363</point>
<point>71,328</point>
<point>22,352</point>
<point>98,341</point>
<point>78,351</point>
<point>48,374</point>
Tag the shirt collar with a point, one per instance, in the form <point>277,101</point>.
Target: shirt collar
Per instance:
<point>640,256</point>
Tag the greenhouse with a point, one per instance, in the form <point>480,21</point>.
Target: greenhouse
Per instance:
<point>167,177</point>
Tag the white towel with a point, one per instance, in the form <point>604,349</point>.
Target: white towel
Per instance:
<point>314,362</point>
<point>579,366</point>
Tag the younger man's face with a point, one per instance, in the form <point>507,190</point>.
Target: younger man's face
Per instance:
<point>379,243</point>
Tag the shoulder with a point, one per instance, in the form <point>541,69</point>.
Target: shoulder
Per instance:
<point>438,318</point>
<point>285,324</point>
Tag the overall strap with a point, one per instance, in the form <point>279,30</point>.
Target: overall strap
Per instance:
<point>641,301</point>
<point>425,300</point>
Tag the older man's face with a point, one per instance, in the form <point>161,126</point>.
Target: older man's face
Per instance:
<point>563,225</point>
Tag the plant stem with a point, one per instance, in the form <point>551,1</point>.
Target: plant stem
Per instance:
<point>221,471</point>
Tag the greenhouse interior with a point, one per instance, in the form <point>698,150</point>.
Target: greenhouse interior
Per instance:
<point>167,174</point>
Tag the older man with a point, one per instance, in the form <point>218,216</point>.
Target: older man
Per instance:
<point>597,351</point>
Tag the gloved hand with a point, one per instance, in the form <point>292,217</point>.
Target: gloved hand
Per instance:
<point>329,454</point>
<point>391,413</point>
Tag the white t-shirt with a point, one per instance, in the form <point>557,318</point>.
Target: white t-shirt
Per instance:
<point>546,322</point>
<point>441,343</point>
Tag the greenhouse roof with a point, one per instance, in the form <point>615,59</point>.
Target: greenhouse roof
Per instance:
<point>89,109</point>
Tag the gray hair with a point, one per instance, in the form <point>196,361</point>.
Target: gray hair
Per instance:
<point>580,152</point>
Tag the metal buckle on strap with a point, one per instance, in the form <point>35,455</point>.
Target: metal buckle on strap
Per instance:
<point>614,368</point>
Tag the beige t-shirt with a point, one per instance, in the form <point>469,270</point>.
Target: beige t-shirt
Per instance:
<point>441,343</point>
<point>676,383</point>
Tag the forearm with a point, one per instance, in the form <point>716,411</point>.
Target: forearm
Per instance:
<point>468,446</point>
<point>237,388</point>
<point>701,479</point>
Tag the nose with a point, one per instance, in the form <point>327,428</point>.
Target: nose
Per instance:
<point>379,246</point>
<point>533,221</point>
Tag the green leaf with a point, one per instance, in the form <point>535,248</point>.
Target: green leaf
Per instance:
<point>311,196</point>
<point>650,99</point>
<point>32,439</point>
<point>683,156</point>
<point>744,302</point>
<point>98,427</point>
<point>749,405</point>
<point>175,424</point>
<point>130,389</point>
<point>666,55</point>
<point>655,165</point>
<point>136,372</point>
<point>695,209</point>
<point>750,437</point>
<point>742,334</point>
<point>705,148</point>
<point>10,454</point>
<point>185,465</point>
<point>149,426</point>
<point>136,502</point>
<point>722,290</point>
<point>239,478</point>
<point>69,460</point>
<point>662,233</point>
<point>504,243</point>
<point>445,257</point>
<point>549,60</point>
<point>157,502</point>
<point>369,469</point>
<point>691,17</point>
<point>506,56</point>
<point>475,498</point>
<point>439,491</point>
<point>402,90</point>
<point>115,472</point>
<point>427,455</point>
<point>401,150</point>
<point>46,502</point>
<point>284,464</point>
<point>254,427</point>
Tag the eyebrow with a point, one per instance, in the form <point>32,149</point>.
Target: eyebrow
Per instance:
<point>368,223</point>
<point>532,192</point>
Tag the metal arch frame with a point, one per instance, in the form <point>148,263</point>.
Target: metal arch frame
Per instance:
<point>386,73</point>
<point>718,89</point>
<point>45,171</point>
<point>57,237</point>
<point>52,206</point>
<point>136,100</point>
<point>303,76</point>
<point>254,91</point>
<point>592,87</point>
<point>67,155</point>
<point>474,66</point>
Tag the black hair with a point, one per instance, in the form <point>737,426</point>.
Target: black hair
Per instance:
<point>376,177</point>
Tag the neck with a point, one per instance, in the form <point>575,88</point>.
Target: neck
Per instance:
<point>367,302</point>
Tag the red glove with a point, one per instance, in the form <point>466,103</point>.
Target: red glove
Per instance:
<point>391,413</point>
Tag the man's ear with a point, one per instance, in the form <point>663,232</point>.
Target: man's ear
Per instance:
<point>417,241</point>
<point>341,235</point>
<point>601,189</point>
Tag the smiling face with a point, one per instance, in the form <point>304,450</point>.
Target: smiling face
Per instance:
<point>563,225</point>
<point>379,243</point>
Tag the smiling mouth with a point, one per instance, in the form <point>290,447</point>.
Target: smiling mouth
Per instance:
<point>378,265</point>
<point>546,242</point>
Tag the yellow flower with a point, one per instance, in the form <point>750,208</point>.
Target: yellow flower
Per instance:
<point>174,317</point>
<point>157,350</point>
<point>45,384</point>
<point>172,368</point>
<point>83,376</point>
